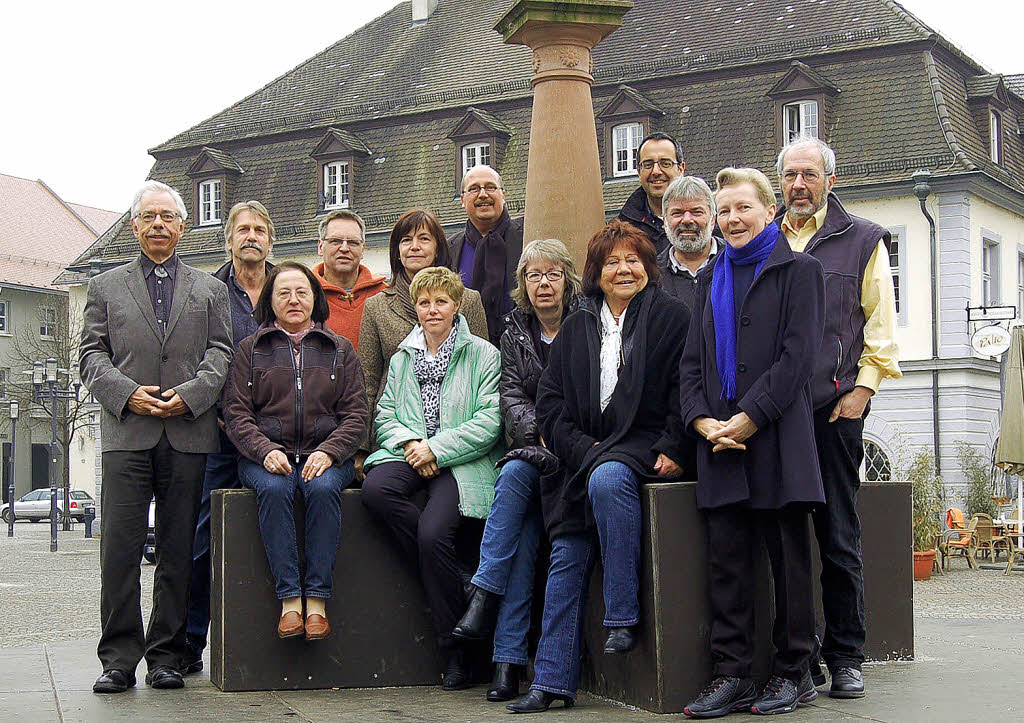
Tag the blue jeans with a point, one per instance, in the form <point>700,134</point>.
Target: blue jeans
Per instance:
<point>275,496</point>
<point>615,498</point>
<point>221,473</point>
<point>508,553</point>
<point>557,663</point>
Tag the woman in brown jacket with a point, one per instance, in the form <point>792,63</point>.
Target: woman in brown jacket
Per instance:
<point>417,241</point>
<point>296,410</point>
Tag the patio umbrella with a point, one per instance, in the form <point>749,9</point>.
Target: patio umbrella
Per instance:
<point>1010,451</point>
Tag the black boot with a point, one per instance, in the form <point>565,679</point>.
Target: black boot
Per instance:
<point>505,685</point>
<point>477,622</point>
<point>538,701</point>
<point>456,674</point>
<point>620,640</point>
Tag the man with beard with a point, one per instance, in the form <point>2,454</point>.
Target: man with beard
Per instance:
<point>156,345</point>
<point>659,159</point>
<point>347,283</point>
<point>689,217</point>
<point>248,237</point>
<point>858,350</point>
<point>487,252</point>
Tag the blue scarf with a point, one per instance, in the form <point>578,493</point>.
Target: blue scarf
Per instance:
<point>723,302</point>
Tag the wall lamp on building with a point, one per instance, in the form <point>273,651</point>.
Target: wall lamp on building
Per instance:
<point>46,389</point>
<point>13,409</point>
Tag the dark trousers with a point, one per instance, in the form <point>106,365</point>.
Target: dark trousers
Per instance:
<point>221,473</point>
<point>734,539</point>
<point>837,527</point>
<point>130,480</point>
<point>426,536</point>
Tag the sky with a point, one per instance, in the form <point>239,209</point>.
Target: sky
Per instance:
<point>87,88</point>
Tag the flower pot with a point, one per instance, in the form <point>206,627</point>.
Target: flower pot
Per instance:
<point>923,562</point>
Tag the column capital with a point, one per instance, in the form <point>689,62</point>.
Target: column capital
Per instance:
<point>519,24</point>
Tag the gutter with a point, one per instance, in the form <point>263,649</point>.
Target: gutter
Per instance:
<point>922,190</point>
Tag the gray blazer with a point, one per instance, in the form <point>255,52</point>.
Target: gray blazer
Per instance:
<point>122,350</point>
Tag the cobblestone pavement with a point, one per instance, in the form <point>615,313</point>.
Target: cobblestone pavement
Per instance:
<point>965,594</point>
<point>49,596</point>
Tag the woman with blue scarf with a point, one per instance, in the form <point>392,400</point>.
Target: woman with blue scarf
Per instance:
<point>758,320</point>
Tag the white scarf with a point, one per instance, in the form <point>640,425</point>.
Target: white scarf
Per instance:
<point>611,353</point>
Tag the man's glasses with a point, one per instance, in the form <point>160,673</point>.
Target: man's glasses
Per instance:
<point>664,163</point>
<point>475,189</point>
<point>165,216</point>
<point>535,276</point>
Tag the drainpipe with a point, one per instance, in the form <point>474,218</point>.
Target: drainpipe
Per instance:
<point>922,190</point>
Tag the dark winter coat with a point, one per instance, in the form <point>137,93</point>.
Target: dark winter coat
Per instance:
<point>642,417</point>
<point>777,337</point>
<point>319,405</point>
<point>637,212</point>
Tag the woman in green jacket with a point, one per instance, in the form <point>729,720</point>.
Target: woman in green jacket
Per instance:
<point>438,425</point>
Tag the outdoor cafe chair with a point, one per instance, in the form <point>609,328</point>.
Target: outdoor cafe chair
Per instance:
<point>960,541</point>
<point>986,539</point>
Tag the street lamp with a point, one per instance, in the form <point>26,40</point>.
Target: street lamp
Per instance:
<point>13,408</point>
<point>49,391</point>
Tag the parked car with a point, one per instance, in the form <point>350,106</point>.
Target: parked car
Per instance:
<point>149,549</point>
<point>35,505</point>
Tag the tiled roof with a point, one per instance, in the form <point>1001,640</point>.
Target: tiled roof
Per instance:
<point>455,58</point>
<point>899,110</point>
<point>982,86</point>
<point>39,232</point>
<point>98,219</point>
<point>1015,83</point>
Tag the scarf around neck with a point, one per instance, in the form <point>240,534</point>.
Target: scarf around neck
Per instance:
<point>723,301</point>
<point>430,374</point>
<point>296,338</point>
<point>489,264</point>
<point>401,286</point>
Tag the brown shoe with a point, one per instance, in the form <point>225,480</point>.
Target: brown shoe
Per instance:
<point>290,625</point>
<point>317,627</point>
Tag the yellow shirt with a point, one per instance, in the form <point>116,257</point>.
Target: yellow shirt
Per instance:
<point>877,299</point>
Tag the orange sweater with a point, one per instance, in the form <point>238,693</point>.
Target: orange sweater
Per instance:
<point>347,307</point>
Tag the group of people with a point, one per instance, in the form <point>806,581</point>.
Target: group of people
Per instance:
<point>710,334</point>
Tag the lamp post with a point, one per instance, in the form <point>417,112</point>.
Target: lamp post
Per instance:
<point>44,383</point>
<point>13,409</point>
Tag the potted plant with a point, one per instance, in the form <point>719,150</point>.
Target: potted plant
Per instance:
<point>926,491</point>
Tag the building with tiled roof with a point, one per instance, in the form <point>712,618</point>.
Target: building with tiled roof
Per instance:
<point>388,118</point>
<point>40,234</point>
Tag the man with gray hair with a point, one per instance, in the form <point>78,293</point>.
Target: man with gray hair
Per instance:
<point>689,213</point>
<point>156,345</point>
<point>858,351</point>
<point>487,252</point>
<point>248,238</point>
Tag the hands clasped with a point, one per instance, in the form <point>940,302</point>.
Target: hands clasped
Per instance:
<point>151,402</point>
<point>420,457</point>
<point>729,434</point>
<point>276,462</point>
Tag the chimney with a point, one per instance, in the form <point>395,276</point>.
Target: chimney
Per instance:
<point>421,10</point>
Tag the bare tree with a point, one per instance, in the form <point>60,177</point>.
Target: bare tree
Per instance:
<point>57,334</point>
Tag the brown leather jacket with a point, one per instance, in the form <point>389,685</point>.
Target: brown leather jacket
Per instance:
<point>319,404</point>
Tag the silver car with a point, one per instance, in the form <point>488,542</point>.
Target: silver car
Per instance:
<point>35,505</point>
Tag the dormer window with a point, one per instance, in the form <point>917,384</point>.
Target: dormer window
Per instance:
<point>995,136</point>
<point>626,139</point>
<point>337,187</point>
<point>800,119</point>
<point>475,154</point>
<point>210,202</point>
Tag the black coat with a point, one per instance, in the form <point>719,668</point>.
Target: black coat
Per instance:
<point>637,211</point>
<point>641,420</point>
<point>778,334</point>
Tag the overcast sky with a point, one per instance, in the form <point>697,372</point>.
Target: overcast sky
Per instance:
<point>88,87</point>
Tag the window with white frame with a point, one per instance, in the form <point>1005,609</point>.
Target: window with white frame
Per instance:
<point>337,185</point>
<point>5,378</point>
<point>800,119</point>
<point>897,255</point>
<point>5,316</point>
<point>989,271</point>
<point>625,145</point>
<point>210,202</point>
<point>877,467</point>
<point>47,322</point>
<point>995,136</point>
<point>475,154</point>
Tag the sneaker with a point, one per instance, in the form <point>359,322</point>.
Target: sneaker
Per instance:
<point>722,696</point>
<point>780,695</point>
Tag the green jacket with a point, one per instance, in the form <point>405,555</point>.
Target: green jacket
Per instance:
<point>469,438</point>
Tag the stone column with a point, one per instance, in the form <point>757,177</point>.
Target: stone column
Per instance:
<point>564,197</point>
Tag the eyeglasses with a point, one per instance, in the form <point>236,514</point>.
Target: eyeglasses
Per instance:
<point>535,276</point>
<point>810,176</point>
<point>165,216</point>
<point>663,163</point>
<point>475,189</point>
<point>351,242</point>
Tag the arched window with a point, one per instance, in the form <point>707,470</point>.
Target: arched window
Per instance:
<point>877,467</point>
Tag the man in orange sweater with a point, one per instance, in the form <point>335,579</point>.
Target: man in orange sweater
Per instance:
<point>347,283</point>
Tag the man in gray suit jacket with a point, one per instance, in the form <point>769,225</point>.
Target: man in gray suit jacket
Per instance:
<point>156,346</point>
